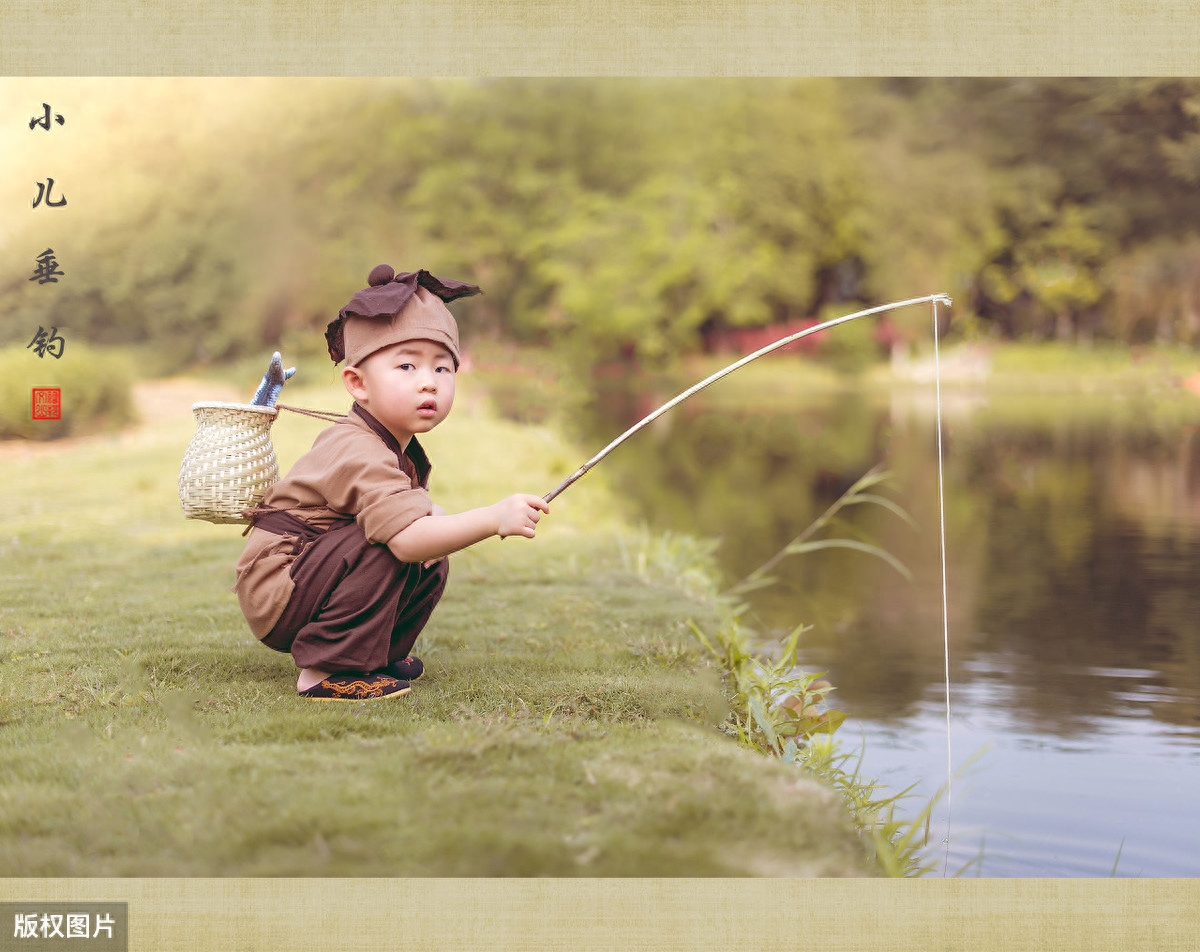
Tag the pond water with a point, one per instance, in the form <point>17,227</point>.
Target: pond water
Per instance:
<point>1073,555</point>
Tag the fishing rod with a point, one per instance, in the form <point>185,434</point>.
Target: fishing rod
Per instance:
<point>696,388</point>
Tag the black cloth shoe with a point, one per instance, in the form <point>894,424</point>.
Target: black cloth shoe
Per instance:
<point>407,670</point>
<point>356,687</point>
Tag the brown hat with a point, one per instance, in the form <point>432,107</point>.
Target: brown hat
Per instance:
<point>394,308</point>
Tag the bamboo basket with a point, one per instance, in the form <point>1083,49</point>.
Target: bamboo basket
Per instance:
<point>229,464</point>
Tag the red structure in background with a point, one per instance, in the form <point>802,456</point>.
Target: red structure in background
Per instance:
<point>746,340</point>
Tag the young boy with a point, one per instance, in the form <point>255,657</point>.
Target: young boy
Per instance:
<point>347,555</point>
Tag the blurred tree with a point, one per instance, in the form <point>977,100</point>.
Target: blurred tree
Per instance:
<point>627,218</point>
<point>623,216</point>
<point>1079,171</point>
<point>1058,266</point>
<point>750,214</point>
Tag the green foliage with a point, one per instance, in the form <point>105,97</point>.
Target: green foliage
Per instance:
<point>779,710</point>
<point>1156,292</point>
<point>626,219</point>
<point>851,347</point>
<point>609,216</point>
<point>1025,191</point>
<point>96,386</point>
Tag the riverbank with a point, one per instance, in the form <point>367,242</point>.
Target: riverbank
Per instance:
<point>566,724</point>
<point>1071,518</point>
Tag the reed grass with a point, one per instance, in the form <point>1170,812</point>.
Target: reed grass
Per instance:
<point>782,711</point>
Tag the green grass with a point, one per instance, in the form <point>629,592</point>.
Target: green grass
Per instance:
<point>566,725</point>
<point>1052,384</point>
<point>1116,362</point>
<point>1053,367</point>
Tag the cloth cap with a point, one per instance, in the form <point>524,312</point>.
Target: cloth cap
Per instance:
<point>395,308</point>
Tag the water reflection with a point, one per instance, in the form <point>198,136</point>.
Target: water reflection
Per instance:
<point>1073,542</point>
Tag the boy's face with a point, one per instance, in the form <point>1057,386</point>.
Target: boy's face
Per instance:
<point>408,387</point>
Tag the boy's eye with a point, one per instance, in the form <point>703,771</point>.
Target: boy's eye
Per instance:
<point>445,370</point>
<point>406,367</point>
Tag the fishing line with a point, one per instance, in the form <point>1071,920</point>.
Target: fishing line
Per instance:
<point>280,376</point>
<point>937,376</point>
<point>934,299</point>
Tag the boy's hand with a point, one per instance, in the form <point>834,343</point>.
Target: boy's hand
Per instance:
<point>519,514</point>
<point>436,536</point>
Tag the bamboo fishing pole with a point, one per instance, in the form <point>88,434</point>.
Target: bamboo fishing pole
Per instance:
<point>696,388</point>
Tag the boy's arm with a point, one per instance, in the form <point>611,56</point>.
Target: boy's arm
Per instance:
<point>435,536</point>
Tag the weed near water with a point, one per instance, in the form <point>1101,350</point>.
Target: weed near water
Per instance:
<point>779,710</point>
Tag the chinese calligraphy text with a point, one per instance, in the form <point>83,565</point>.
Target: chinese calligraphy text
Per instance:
<point>53,343</point>
<point>44,120</point>
<point>44,188</point>
<point>47,268</point>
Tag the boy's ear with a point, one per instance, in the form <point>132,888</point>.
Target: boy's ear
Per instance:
<point>352,379</point>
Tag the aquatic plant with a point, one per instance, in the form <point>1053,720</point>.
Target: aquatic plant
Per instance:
<point>805,543</point>
<point>782,711</point>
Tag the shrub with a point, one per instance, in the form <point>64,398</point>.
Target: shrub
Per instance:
<point>96,389</point>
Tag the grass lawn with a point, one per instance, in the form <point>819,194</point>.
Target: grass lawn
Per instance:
<point>565,725</point>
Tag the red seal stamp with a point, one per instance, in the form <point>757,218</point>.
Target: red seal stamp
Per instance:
<point>47,403</point>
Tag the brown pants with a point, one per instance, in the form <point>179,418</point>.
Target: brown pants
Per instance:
<point>355,607</point>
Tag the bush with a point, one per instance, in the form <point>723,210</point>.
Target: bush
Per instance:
<point>96,387</point>
<point>851,347</point>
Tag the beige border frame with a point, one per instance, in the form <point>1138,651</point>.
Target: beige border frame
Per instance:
<point>620,37</point>
<point>598,37</point>
<point>656,915</point>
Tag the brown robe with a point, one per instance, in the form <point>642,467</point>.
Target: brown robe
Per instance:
<point>316,577</point>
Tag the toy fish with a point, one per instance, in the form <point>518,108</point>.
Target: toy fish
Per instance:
<point>272,382</point>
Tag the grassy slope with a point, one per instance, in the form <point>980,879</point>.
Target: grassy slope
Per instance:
<point>564,726</point>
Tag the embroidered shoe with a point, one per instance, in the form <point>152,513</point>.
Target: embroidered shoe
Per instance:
<point>407,670</point>
<point>356,687</point>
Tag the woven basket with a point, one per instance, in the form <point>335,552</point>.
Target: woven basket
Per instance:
<point>230,463</point>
